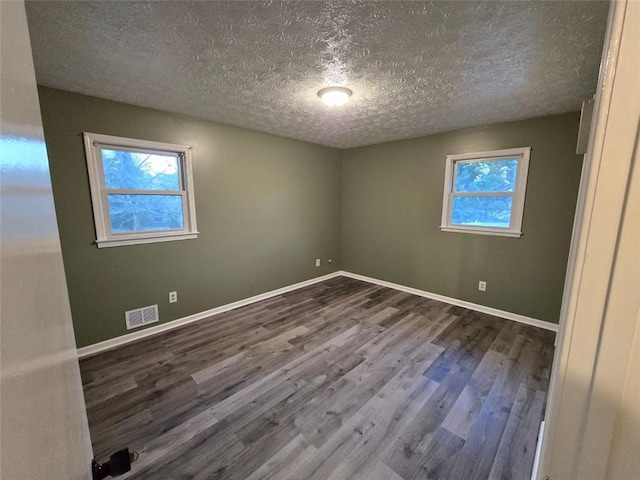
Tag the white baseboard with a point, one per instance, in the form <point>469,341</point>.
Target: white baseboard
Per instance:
<point>147,332</point>
<point>536,459</point>
<point>461,303</point>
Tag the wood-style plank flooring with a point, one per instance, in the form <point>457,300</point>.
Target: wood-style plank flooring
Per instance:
<point>339,380</point>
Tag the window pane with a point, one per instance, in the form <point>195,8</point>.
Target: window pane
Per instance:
<point>482,211</point>
<point>140,171</point>
<point>143,213</point>
<point>490,176</point>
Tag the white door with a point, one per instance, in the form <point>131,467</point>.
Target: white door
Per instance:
<point>593,422</point>
<point>43,426</point>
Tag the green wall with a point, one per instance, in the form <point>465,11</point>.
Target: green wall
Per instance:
<point>266,206</point>
<point>392,205</point>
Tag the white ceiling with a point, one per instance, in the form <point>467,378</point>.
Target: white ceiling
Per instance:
<point>416,68</point>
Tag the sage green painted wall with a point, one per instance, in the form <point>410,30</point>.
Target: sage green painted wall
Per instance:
<point>392,206</point>
<point>266,207</point>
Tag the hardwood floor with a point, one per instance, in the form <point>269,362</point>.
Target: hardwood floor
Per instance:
<point>339,380</point>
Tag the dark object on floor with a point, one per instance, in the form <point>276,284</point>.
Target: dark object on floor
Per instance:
<point>119,463</point>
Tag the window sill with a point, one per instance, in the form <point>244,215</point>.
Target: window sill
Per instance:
<point>121,242</point>
<point>482,231</point>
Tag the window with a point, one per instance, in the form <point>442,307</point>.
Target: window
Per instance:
<point>484,192</point>
<point>142,192</point>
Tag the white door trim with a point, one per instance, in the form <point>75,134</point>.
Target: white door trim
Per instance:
<point>601,203</point>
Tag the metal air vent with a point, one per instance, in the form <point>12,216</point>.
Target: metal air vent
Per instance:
<point>141,316</point>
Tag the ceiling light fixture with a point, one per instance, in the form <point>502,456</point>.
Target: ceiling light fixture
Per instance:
<point>334,96</point>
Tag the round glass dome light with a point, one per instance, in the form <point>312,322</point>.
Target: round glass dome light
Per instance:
<point>334,96</point>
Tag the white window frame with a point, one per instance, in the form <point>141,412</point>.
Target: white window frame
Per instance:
<point>517,207</point>
<point>93,143</point>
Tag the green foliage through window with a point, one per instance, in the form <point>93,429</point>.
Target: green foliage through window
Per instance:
<point>482,211</point>
<point>494,176</point>
<point>489,176</point>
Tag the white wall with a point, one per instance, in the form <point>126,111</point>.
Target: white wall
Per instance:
<point>43,425</point>
<point>592,429</point>
<point>624,456</point>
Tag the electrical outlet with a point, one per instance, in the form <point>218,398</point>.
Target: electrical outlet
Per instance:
<point>482,286</point>
<point>317,262</point>
<point>173,297</point>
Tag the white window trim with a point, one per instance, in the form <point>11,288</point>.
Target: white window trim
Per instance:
<point>517,210</point>
<point>104,238</point>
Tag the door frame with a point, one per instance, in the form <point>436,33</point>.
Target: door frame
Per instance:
<point>568,437</point>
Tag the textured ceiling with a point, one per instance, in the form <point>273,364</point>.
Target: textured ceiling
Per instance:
<point>416,68</point>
